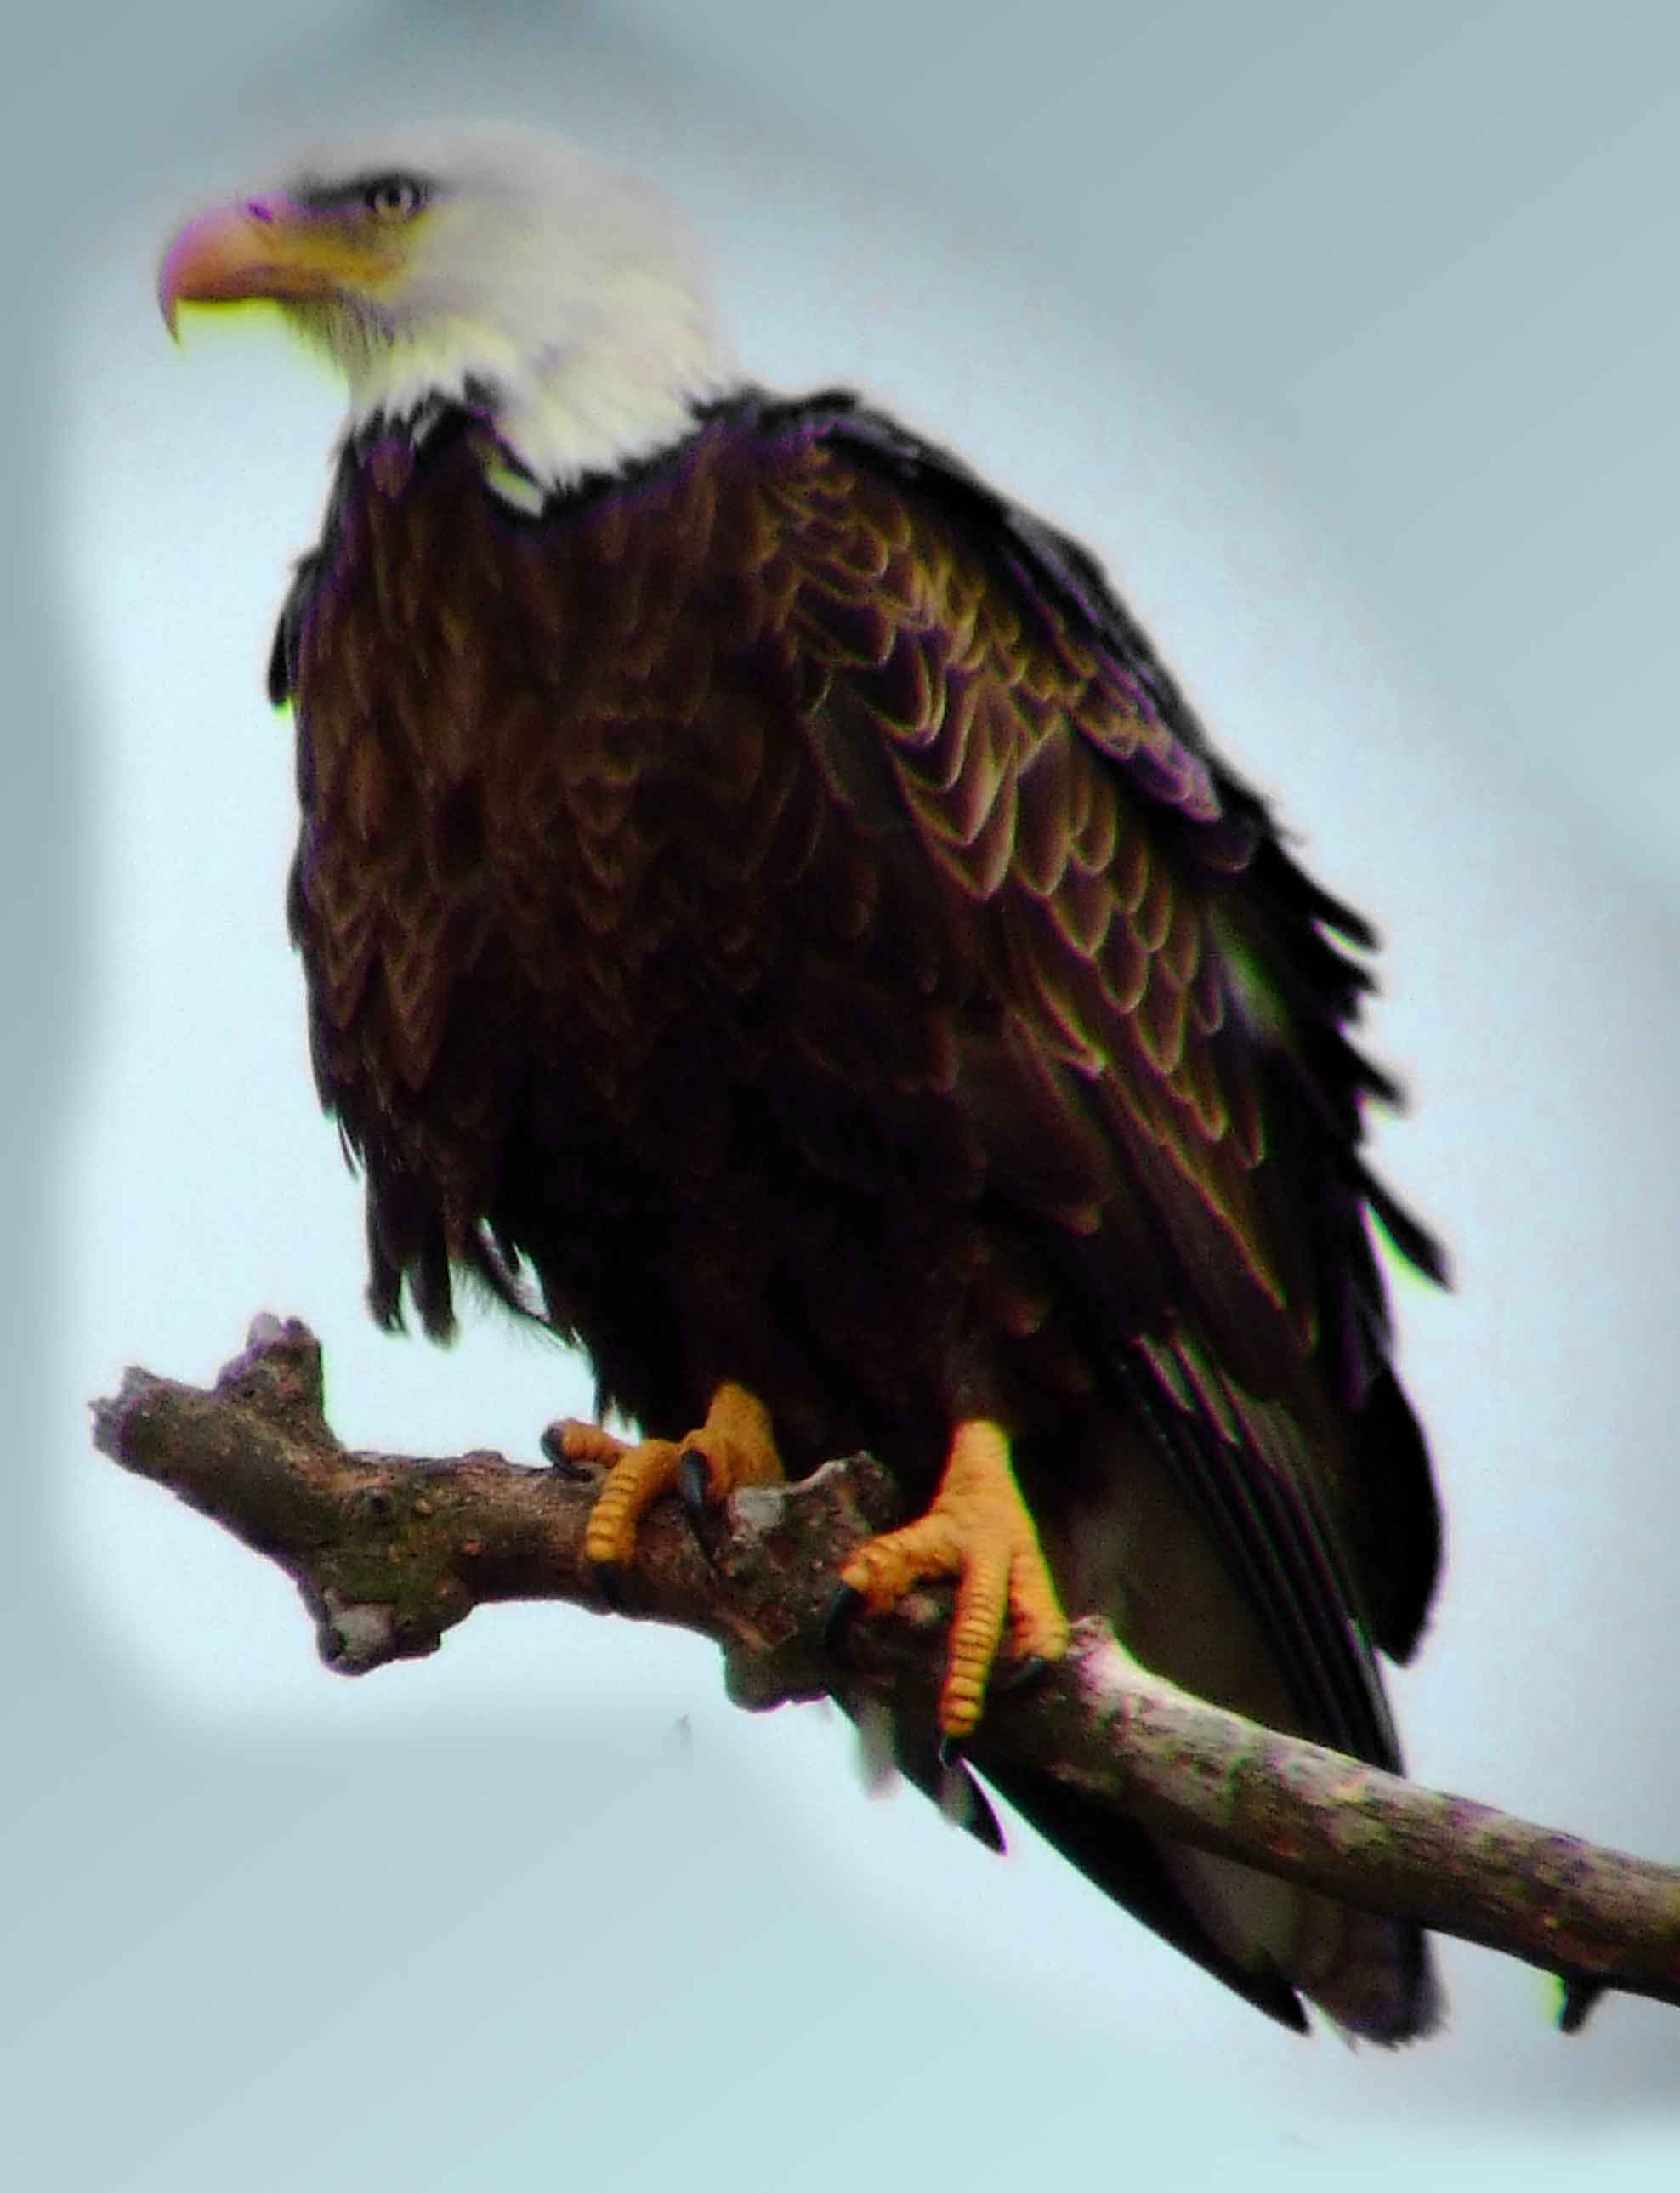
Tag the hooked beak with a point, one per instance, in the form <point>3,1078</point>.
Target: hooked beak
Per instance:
<point>267,247</point>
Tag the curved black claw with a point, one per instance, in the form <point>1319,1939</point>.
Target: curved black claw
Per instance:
<point>837,1623</point>
<point>951,1754</point>
<point>553,1446</point>
<point>1581,1993</point>
<point>609,1583</point>
<point>1020,1674</point>
<point>693,1482</point>
<point>694,1487</point>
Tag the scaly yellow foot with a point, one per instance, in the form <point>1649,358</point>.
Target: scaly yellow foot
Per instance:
<point>979,1530</point>
<point>733,1447</point>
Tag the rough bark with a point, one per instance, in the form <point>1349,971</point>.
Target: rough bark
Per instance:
<point>390,1552</point>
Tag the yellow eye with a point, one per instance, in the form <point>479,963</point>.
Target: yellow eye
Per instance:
<point>393,197</point>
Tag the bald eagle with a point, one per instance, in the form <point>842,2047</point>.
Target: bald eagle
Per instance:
<point>768,911</point>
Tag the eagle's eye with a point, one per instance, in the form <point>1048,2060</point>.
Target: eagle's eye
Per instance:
<point>393,197</point>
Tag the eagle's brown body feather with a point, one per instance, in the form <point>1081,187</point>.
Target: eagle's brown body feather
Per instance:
<point>778,899</point>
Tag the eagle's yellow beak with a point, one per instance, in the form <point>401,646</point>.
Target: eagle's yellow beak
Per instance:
<point>269,247</point>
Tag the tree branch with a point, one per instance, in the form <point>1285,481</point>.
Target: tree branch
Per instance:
<point>390,1551</point>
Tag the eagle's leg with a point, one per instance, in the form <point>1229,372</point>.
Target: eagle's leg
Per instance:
<point>733,1447</point>
<point>979,1530</point>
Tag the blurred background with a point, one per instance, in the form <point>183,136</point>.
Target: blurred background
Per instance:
<point>1347,335</point>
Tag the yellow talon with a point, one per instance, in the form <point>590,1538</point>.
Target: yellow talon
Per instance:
<point>978,1529</point>
<point>735,1442</point>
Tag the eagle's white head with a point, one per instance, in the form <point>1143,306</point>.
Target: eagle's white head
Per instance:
<point>493,262</point>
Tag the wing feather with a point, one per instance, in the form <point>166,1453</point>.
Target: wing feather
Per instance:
<point>1175,976</point>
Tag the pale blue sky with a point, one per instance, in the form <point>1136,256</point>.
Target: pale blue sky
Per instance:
<point>1348,341</point>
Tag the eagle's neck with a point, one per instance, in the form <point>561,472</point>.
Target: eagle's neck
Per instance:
<point>564,409</point>
<point>576,421</point>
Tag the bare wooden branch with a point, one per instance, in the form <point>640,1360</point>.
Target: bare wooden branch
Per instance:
<point>389,1552</point>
